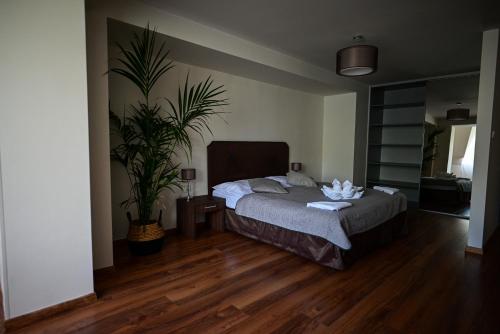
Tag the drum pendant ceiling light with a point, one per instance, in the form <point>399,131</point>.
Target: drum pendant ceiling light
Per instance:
<point>357,60</point>
<point>458,113</point>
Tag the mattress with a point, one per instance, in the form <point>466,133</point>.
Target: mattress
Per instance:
<point>231,198</point>
<point>289,211</point>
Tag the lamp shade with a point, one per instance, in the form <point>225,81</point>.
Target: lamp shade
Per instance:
<point>188,174</point>
<point>457,114</point>
<point>357,60</point>
<point>296,166</point>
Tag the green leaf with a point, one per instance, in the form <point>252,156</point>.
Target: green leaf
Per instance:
<point>151,136</point>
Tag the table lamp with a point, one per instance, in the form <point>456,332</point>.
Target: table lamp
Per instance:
<point>188,174</point>
<point>296,166</point>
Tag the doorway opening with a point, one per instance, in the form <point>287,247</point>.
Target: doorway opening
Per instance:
<point>449,143</point>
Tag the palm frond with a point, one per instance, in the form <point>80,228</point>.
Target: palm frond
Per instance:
<point>143,63</point>
<point>195,105</point>
<point>151,136</point>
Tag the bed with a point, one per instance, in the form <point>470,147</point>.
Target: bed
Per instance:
<point>447,191</point>
<point>351,236</point>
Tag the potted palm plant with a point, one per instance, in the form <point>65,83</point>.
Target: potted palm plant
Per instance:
<point>152,134</point>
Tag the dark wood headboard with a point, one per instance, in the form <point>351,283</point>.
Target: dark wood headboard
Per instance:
<point>236,160</point>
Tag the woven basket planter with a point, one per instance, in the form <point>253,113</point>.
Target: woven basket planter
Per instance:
<point>152,231</point>
<point>145,239</point>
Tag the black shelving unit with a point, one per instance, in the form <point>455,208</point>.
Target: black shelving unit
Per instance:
<point>395,145</point>
<point>396,137</point>
<point>397,105</point>
<point>396,125</point>
<point>392,183</point>
<point>394,164</point>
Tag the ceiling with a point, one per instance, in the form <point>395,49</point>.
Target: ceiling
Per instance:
<point>443,94</point>
<point>416,39</point>
<point>193,54</point>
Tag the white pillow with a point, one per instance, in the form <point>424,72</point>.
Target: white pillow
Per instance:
<point>298,179</point>
<point>281,179</point>
<point>240,187</point>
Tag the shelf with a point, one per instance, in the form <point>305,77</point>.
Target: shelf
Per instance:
<point>394,183</point>
<point>395,133</point>
<point>396,125</point>
<point>394,164</point>
<point>398,105</point>
<point>396,145</point>
<point>392,87</point>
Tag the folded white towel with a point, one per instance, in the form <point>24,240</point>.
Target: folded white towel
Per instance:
<point>337,186</point>
<point>328,192</point>
<point>347,184</point>
<point>331,193</point>
<point>342,191</point>
<point>347,190</point>
<point>331,206</point>
<point>358,195</point>
<point>387,190</point>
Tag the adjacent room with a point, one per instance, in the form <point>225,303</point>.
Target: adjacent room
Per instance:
<point>227,166</point>
<point>449,145</point>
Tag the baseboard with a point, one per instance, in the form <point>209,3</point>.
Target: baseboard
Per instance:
<point>105,270</point>
<point>486,246</point>
<point>30,318</point>
<point>473,250</point>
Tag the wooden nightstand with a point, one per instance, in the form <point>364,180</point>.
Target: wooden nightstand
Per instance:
<point>199,210</point>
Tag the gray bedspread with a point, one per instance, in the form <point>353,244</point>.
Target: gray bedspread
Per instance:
<point>289,211</point>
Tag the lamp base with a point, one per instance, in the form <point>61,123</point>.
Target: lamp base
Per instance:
<point>188,191</point>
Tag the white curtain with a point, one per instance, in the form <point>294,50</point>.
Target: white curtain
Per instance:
<point>467,164</point>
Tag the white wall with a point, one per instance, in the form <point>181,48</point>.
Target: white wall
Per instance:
<point>44,153</point>
<point>262,60</point>
<point>430,119</point>
<point>451,150</point>
<point>3,264</point>
<point>338,136</point>
<point>257,111</point>
<point>492,214</point>
<point>485,191</point>
<point>100,171</point>
<point>460,140</point>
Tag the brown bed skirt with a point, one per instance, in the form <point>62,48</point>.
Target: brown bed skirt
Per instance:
<point>316,248</point>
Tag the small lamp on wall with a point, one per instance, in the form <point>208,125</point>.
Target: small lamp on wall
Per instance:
<point>296,166</point>
<point>187,175</point>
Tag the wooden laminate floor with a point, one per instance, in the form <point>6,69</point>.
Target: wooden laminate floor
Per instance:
<point>225,283</point>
